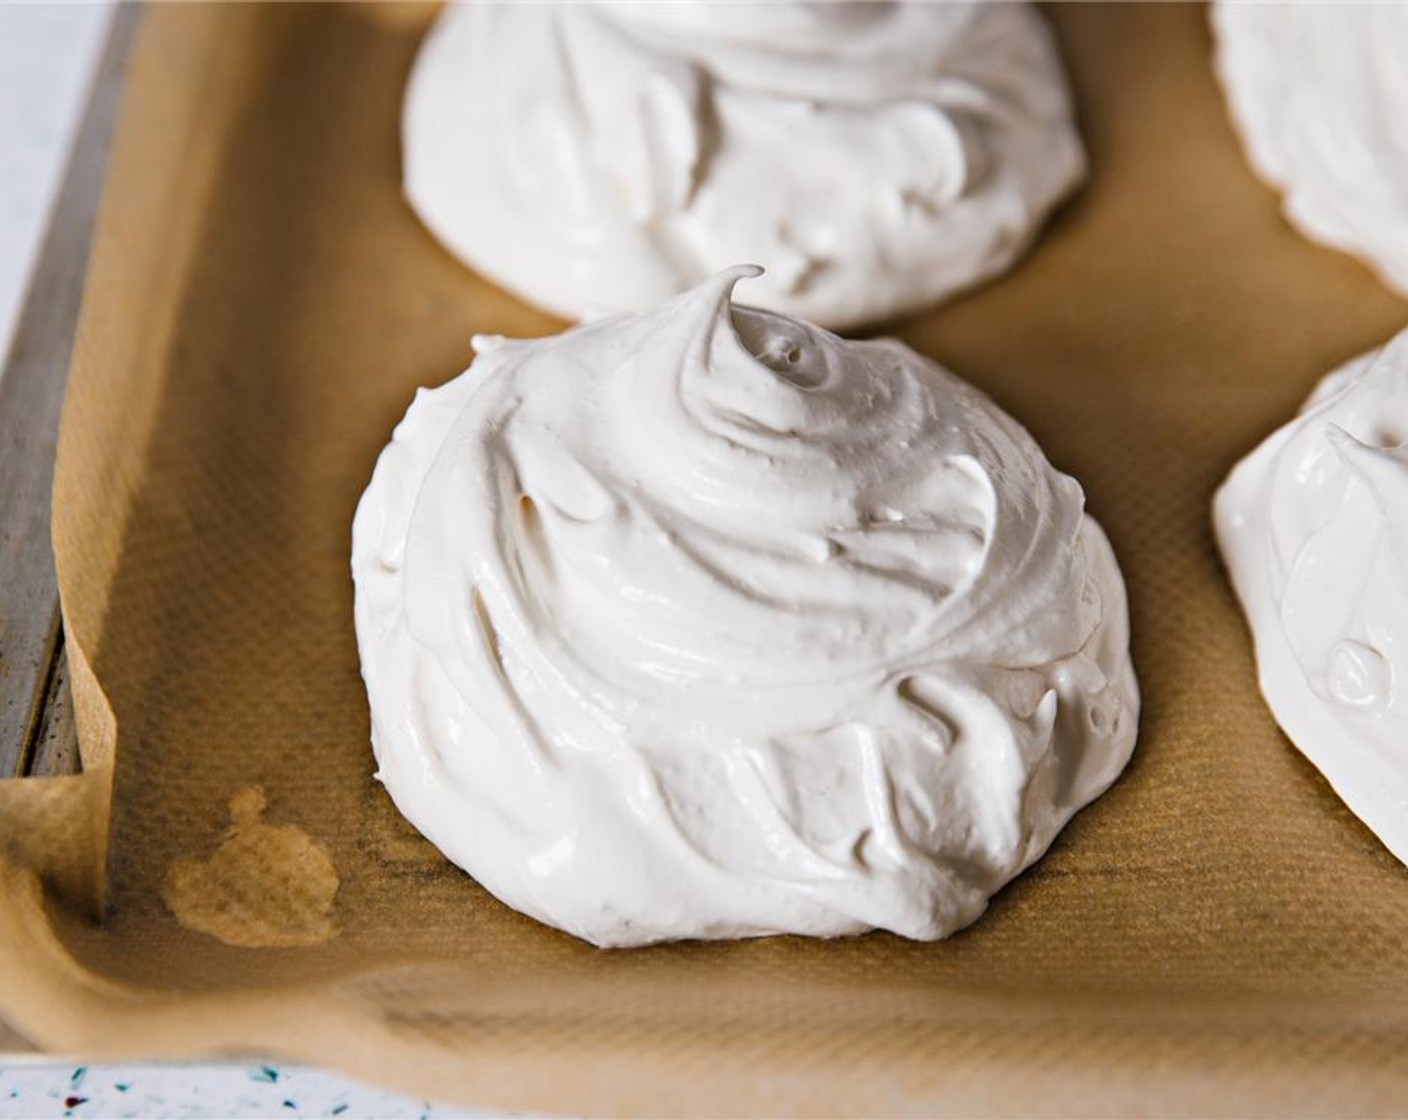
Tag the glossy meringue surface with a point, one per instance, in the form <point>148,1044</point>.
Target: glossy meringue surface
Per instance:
<point>1319,94</point>
<point>1313,526</point>
<point>704,622</point>
<point>599,158</point>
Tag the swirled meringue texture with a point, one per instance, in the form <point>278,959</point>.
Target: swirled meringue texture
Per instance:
<point>706,623</point>
<point>596,159</point>
<point>1313,526</point>
<point>1319,94</point>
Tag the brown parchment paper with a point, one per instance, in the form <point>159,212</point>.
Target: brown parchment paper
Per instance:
<point>1216,935</point>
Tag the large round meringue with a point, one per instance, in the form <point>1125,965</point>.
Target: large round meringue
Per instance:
<point>1319,93</point>
<point>704,622</point>
<point>1313,526</point>
<point>596,159</point>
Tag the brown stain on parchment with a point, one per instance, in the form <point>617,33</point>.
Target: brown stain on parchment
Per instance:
<point>266,885</point>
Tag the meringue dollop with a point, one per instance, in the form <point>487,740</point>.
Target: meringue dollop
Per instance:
<point>1319,94</point>
<point>600,158</point>
<point>704,622</point>
<point>1313,526</point>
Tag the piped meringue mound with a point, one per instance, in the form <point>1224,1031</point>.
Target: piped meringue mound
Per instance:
<point>1319,93</point>
<point>1313,526</point>
<point>596,159</point>
<point>707,623</point>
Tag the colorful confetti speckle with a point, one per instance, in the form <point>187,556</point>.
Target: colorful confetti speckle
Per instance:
<point>37,1090</point>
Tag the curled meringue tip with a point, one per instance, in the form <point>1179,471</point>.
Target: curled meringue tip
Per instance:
<point>714,297</point>
<point>485,343</point>
<point>721,284</point>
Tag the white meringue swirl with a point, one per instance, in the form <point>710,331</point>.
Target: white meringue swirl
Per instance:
<point>705,622</point>
<point>874,157</point>
<point>1319,93</point>
<point>1313,526</point>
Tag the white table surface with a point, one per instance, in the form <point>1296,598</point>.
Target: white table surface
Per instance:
<point>47,55</point>
<point>230,1091</point>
